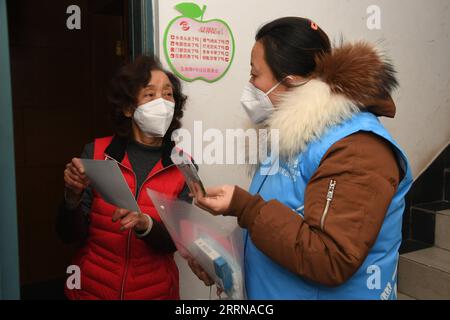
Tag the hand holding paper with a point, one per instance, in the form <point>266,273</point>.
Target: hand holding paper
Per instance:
<point>131,219</point>
<point>108,180</point>
<point>75,181</point>
<point>75,177</point>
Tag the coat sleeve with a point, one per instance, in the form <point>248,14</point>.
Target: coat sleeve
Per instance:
<point>72,224</point>
<point>328,245</point>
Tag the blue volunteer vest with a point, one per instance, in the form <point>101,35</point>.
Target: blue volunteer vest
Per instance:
<point>377,276</point>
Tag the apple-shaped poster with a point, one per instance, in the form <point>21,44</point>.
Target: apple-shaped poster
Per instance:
<point>196,49</point>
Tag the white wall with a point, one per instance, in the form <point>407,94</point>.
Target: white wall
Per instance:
<point>415,33</point>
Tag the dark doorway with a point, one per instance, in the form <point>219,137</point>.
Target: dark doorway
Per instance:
<point>59,83</point>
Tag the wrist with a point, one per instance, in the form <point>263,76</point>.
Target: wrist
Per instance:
<point>147,227</point>
<point>238,202</point>
<point>245,206</point>
<point>71,199</point>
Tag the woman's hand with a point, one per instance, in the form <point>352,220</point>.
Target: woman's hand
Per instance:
<point>131,219</point>
<point>200,272</point>
<point>217,200</point>
<point>75,180</point>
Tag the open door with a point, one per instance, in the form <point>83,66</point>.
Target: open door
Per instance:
<point>52,103</point>
<point>60,78</point>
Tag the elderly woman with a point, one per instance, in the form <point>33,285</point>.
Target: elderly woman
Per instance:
<point>123,254</point>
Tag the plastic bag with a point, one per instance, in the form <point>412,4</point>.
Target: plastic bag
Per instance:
<point>215,242</point>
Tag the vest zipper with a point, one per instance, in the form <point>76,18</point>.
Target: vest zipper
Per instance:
<point>330,195</point>
<point>128,252</point>
<point>127,258</point>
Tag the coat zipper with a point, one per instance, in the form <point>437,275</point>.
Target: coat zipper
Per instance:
<point>128,252</point>
<point>127,258</point>
<point>330,195</point>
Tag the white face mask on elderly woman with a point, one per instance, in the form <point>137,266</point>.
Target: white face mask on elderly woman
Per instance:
<point>154,117</point>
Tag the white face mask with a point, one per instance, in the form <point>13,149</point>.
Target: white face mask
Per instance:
<point>154,117</point>
<point>257,103</point>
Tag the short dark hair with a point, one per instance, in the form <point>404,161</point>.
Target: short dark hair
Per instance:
<point>125,87</point>
<point>291,45</point>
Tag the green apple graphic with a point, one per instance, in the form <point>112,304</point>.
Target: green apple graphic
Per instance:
<point>196,49</point>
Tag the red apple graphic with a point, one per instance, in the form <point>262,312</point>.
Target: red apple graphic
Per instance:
<point>196,49</point>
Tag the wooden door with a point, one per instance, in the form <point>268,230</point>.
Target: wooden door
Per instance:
<point>59,83</point>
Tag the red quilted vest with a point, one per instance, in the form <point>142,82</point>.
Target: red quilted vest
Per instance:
<point>117,265</point>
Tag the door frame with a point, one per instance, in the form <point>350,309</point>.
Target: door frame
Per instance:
<point>143,31</point>
<point>9,243</point>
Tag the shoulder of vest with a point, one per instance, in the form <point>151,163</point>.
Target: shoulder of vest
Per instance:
<point>100,146</point>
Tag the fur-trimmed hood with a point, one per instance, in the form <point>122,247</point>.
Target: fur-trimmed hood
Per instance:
<point>352,78</point>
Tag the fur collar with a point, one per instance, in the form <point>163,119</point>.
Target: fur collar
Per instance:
<point>352,78</point>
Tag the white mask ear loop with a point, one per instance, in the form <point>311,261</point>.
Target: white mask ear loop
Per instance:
<point>276,86</point>
<point>297,84</point>
<point>273,88</point>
